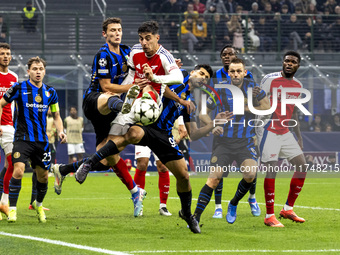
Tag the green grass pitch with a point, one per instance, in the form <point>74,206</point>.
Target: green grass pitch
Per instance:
<point>99,214</point>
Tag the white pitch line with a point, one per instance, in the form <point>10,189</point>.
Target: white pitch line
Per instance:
<point>237,251</point>
<point>298,206</point>
<point>71,245</point>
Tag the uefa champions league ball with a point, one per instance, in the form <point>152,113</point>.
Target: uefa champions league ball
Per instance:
<point>147,111</point>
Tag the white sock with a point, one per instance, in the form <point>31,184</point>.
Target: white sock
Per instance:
<point>218,206</point>
<point>134,190</point>
<point>12,208</point>
<point>287,207</point>
<point>38,204</point>
<point>269,215</point>
<point>4,199</point>
<point>252,196</point>
<point>162,205</point>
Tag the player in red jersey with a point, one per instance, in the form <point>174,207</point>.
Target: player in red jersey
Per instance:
<point>7,79</point>
<point>276,141</point>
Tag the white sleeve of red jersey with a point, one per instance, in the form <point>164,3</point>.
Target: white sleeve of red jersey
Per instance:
<point>131,74</point>
<point>173,75</point>
<point>265,83</point>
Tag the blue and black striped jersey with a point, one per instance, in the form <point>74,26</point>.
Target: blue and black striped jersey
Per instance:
<point>108,65</point>
<point>31,108</point>
<point>239,127</point>
<point>171,109</point>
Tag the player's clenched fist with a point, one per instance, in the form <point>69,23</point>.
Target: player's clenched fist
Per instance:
<point>147,72</point>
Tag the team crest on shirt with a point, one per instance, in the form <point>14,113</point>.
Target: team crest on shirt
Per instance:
<point>124,68</point>
<point>38,98</point>
<point>214,159</point>
<point>47,93</point>
<point>183,95</point>
<point>102,62</point>
<point>16,155</point>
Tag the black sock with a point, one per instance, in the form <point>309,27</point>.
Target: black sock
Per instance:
<point>100,167</point>
<point>218,193</point>
<point>41,191</point>
<point>253,186</point>
<point>115,103</point>
<point>108,149</point>
<point>203,200</point>
<point>34,187</point>
<point>186,198</point>
<point>14,190</point>
<point>71,168</point>
<point>2,176</point>
<point>242,189</point>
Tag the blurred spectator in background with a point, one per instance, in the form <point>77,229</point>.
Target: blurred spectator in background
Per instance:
<point>191,12</point>
<point>3,30</point>
<point>171,21</point>
<point>327,19</point>
<point>253,39</point>
<point>187,35</point>
<point>254,12</point>
<point>317,125</point>
<point>307,29</point>
<point>298,12</point>
<point>184,4</point>
<point>263,30</point>
<point>320,34</point>
<point>291,7</point>
<point>29,17</point>
<point>311,10</point>
<point>129,165</point>
<point>330,4</point>
<point>235,32</point>
<point>336,122</point>
<point>332,165</point>
<point>219,6</point>
<point>221,31</point>
<point>230,5</point>
<point>276,6</point>
<point>328,128</point>
<point>285,11</point>
<point>310,161</point>
<point>291,30</point>
<point>198,6</point>
<point>334,31</point>
<point>268,9</point>
<point>200,31</point>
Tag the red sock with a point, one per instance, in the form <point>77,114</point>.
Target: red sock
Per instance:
<point>122,172</point>
<point>140,178</point>
<point>191,165</point>
<point>8,175</point>
<point>269,194</point>
<point>296,185</point>
<point>153,96</point>
<point>164,186</point>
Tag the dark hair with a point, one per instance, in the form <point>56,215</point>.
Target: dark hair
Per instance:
<point>149,27</point>
<point>206,67</point>
<point>35,60</point>
<point>228,46</point>
<point>237,61</point>
<point>72,106</point>
<point>293,53</point>
<point>111,20</point>
<point>5,46</point>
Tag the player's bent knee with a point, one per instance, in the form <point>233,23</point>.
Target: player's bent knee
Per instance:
<point>134,135</point>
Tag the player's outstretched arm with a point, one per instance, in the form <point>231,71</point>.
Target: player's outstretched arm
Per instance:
<point>3,103</point>
<point>59,125</point>
<point>107,86</point>
<point>175,76</point>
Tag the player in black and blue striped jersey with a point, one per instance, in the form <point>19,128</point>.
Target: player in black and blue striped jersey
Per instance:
<point>32,98</point>
<point>227,54</point>
<point>233,141</point>
<point>102,103</point>
<point>159,139</point>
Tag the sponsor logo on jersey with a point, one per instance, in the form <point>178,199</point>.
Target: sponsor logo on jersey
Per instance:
<point>138,66</point>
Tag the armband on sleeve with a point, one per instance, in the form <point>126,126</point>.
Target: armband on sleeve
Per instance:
<point>55,107</point>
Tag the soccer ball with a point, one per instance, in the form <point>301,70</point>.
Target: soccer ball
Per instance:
<point>146,111</point>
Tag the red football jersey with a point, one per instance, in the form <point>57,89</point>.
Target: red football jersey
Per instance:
<point>6,81</point>
<point>275,80</point>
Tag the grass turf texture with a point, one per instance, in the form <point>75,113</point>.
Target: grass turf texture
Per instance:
<point>99,214</point>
